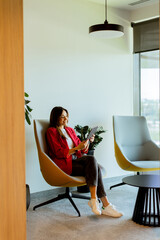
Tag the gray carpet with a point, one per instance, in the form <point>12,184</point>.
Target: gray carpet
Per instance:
<point>59,220</point>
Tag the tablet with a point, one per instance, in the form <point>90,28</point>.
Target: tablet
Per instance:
<point>93,131</point>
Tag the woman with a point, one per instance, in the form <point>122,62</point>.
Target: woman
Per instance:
<point>68,152</point>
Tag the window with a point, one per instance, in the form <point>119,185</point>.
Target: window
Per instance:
<point>149,91</point>
<point>146,74</point>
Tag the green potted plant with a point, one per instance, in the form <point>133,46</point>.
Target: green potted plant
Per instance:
<point>83,132</point>
<point>28,110</point>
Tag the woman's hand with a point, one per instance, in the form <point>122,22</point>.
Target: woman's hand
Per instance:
<point>92,138</point>
<point>83,145</point>
<point>86,149</point>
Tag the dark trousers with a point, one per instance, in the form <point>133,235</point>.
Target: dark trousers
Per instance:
<point>88,167</point>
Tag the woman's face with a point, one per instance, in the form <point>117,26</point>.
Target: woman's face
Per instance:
<point>63,119</point>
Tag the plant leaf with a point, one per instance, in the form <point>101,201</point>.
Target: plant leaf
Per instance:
<point>27,101</point>
<point>29,109</point>
<point>27,119</point>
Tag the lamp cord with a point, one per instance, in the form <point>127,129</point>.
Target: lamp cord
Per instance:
<point>105,9</point>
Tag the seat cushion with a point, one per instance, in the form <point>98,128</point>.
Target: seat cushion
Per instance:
<point>147,164</point>
<point>147,151</point>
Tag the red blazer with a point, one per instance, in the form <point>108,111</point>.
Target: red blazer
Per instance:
<point>59,150</point>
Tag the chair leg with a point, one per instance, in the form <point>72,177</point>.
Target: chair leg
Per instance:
<point>59,197</point>
<point>68,195</point>
<point>116,185</point>
<point>120,184</point>
<point>74,205</point>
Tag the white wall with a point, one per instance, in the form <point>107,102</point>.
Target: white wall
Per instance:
<point>64,66</point>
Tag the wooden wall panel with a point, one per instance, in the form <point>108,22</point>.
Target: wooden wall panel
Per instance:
<point>12,137</point>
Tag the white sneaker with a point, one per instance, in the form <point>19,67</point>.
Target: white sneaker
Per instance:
<point>111,211</point>
<point>94,205</point>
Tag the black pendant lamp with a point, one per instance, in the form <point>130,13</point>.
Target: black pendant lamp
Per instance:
<point>106,30</point>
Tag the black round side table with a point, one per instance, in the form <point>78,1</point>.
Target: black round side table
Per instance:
<point>147,206</point>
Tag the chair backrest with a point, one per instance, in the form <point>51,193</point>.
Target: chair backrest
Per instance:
<point>41,126</point>
<point>132,136</point>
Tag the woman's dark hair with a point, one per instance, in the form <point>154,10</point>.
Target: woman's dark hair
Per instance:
<point>55,114</point>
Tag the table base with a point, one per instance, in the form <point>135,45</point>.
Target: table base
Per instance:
<point>147,207</point>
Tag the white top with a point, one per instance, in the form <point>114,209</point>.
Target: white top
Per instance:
<point>68,139</point>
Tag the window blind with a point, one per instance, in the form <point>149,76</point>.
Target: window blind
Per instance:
<point>146,36</point>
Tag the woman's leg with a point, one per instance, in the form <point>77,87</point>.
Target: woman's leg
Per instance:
<point>100,189</point>
<point>85,167</point>
<point>107,208</point>
<point>104,201</point>
<point>94,179</point>
<point>93,190</point>
<point>88,167</point>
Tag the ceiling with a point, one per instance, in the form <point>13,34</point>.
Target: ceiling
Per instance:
<point>124,4</point>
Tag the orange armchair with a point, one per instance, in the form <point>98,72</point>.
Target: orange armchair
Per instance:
<point>52,174</point>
